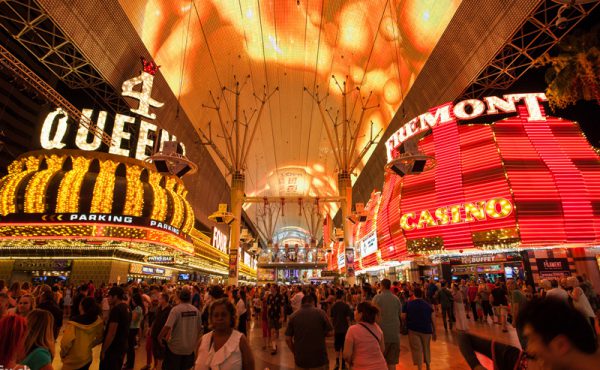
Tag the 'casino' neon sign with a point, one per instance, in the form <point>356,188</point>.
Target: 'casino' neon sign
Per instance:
<point>495,208</point>
<point>476,108</point>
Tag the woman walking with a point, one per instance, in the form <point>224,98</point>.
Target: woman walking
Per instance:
<point>459,308</point>
<point>363,345</point>
<point>224,348</point>
<point>39,341</point>
<point>12,336</point>
<point>137,315</point>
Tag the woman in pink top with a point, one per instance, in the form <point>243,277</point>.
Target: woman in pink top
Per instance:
<point>363,347</point>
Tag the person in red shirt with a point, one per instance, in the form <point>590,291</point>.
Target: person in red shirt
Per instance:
<point>472,297</point>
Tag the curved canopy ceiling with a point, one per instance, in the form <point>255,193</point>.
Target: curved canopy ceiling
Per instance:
<point>295,46</point>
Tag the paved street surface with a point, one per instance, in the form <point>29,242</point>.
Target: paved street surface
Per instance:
<point>444,352</point>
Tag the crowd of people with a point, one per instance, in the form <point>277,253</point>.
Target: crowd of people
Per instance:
<point>206,327</point>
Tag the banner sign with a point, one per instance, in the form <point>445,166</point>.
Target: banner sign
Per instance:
<point>349,262</point>
<point>45,265</point>
<point>341,260</point>
<point>165,260</point>
<point>76,218</point>
<point>553,268</point>
<point>368,244</point>
<point>233,262</point>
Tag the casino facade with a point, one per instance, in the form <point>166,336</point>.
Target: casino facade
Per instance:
<point>516,194</point>
<point>96,216</point>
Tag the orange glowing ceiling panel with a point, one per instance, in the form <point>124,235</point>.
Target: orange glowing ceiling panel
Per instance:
<point>378,45</point>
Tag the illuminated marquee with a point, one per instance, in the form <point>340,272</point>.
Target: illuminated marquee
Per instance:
<point>495,208</point>
<point>55,129</point>
<point>448,112</point>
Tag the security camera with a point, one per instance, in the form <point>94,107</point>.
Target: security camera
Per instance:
<point>222,216</point>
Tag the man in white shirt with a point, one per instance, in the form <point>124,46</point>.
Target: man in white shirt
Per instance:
<point>296,299</point>
<point>184,331</point>
<point>557,292</point>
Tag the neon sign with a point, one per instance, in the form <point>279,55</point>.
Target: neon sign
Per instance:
<point>219,240</point>
<point>448,112</point>
<point>495,208</point>
<point>55,129</point>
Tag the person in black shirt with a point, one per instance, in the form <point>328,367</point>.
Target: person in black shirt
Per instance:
<point>114,345</point>
<point>341,315</point>
<point>82,292</point>
<point>160,318</point>
<point>500,304</point>
<point>275,315</point>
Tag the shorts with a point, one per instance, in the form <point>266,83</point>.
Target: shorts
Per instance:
<point>274,323</point>
<point>177,362</point>
<point>338,341</point>
<point>420,347</point>
<point>391,353</point>
<point>158,351</point>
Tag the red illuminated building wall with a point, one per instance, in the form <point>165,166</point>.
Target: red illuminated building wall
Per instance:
<point>364,229</point>
<point>546,169</point>
<point>517,182</point>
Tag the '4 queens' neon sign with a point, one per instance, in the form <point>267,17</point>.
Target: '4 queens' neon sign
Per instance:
<point>448,112</point>
<point>54,134</point>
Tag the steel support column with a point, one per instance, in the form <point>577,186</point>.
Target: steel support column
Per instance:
<point>345,191</point>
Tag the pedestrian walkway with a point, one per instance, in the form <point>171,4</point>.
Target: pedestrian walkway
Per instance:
<point>444,352</point>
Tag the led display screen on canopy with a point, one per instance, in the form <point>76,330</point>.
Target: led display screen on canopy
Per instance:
<point>538,173</point>
<point>379,45</point>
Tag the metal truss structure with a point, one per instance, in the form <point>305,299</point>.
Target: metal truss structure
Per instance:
<point>30,25</point>
<point>21,71</point>
<point>542,31</point>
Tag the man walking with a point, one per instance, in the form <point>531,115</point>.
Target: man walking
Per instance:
<point>275,315</point>
<point>305,336</point>
<point>500,305</point>
<point>114,345</point>
<point>183,331</point>
<point>444,296</point>
<point>391,309</point>
<point>296,300</point>
<point>161,316</point>
<point>341,315</point>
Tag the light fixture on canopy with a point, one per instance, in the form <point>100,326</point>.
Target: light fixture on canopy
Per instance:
<point>168,160</point>
<point>410,161</point>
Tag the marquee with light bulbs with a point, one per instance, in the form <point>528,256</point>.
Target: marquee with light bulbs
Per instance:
<point>73,196</point>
